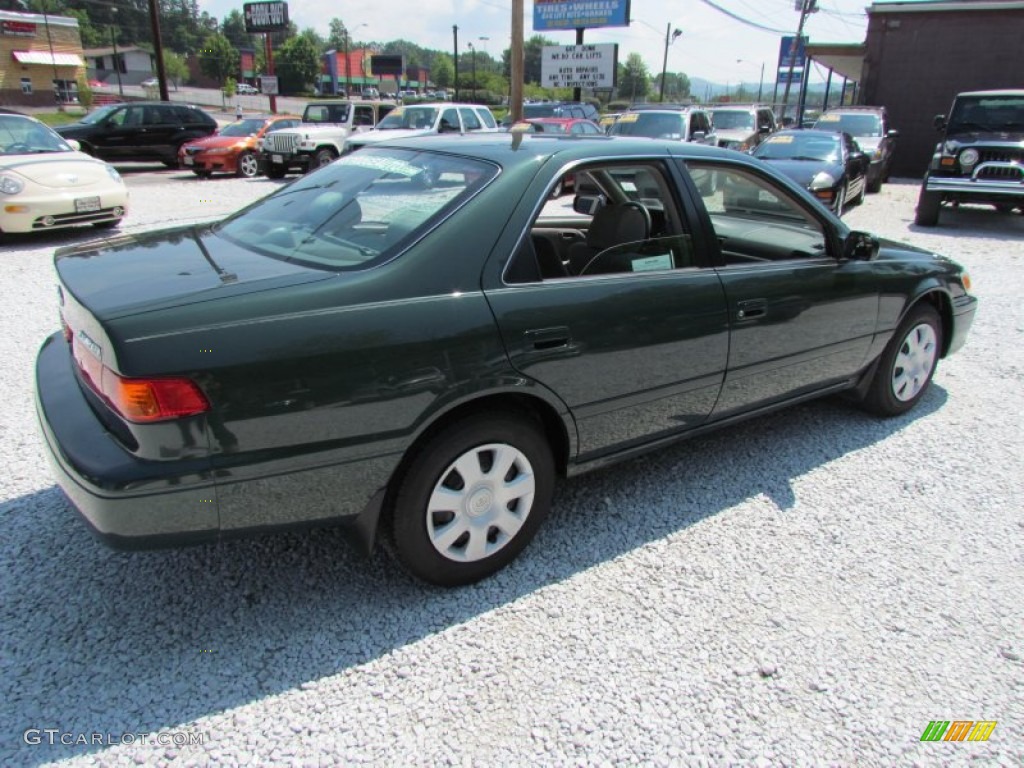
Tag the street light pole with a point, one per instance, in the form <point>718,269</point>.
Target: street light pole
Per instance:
<point>117,67</point>
<point>472,59</point>
<point>664,61</point>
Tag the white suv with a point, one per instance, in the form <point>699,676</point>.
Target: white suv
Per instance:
<point>326,126</point>
<point>681,124</point>
<point>425,119</point>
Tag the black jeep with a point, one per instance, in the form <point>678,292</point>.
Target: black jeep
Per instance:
<point>980,158</point>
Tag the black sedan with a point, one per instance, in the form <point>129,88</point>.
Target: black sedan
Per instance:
<point>416,341</point>
<point>830,165</point>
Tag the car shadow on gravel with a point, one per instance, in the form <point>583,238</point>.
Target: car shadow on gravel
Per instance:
<point>97,641</point>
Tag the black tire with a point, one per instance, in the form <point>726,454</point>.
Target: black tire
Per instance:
<point>323,157</point>
<point>906,367</point>
<point>860,195</point>
<point>874,185</point>
<point>414,527</point>
<point>247,166</point>
<point>1005,207</point>
<point>172,164</point>
<point>928,205</point>
<point>106,224</point>
<point>840,202</point>
<point>202,174</point>
<point>275,171</point>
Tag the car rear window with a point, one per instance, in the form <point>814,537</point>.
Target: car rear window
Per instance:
<point>359,211</point>
<point>651,124</point>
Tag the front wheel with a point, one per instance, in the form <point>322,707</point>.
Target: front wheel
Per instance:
<point>275,171</point>
<point>472,498</point>
<point>247,166</point>
<point>907,365</point>
<point>928,204</point>
<point>323,157</point>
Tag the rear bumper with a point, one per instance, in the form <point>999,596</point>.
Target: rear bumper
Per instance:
<point>129,503</point>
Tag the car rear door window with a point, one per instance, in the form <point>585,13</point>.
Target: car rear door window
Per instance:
<point>470,120</point>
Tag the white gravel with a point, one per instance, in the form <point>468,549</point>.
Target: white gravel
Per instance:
<point>811,588</point>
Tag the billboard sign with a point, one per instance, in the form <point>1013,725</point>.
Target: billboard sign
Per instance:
<point>579,66</point>
<point>387,64</point>
<point>579,14</point>
<point>265,17</point>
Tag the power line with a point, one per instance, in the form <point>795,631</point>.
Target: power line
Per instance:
<point>742,20</point>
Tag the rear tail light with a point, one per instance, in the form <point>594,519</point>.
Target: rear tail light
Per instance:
<point>144,400</point>
<point>148,400</point>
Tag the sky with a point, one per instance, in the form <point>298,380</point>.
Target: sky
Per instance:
<point>713,46</point>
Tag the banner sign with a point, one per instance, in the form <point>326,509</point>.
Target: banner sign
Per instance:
<point>577,14</point>
<point>579,66</point>
<point>18,28</point>
<point>792,51</point>
<point>268,85</point>
<point>265,17</point>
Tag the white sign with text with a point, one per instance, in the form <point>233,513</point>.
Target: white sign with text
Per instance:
<point>579,66</point>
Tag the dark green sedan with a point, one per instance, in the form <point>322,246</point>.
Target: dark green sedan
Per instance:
<point>417,341</point>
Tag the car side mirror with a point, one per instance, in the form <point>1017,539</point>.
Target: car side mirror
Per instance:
<point>892,133</point>
<point>588,205</point>
<point>73,144</point>
<point>939,122</point>
<point>764,129</point>
<point>860,246</point>
<point>697,136</point>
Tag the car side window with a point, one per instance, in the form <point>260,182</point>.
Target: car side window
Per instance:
<point>487,118</point>
<point>470,120</point>
<point>363,116</point>
<point>624,219</point>
<point>133,117</point>
<point>755,219</point>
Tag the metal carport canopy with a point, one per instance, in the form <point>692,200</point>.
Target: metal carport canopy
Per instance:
<point>846,59</point>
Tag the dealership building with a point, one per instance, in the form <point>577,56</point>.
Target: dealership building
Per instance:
<point>917,56</point>
<point>40,59</point>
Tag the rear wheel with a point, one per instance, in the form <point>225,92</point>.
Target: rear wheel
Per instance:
<point>472,498</point>
<point>201,173</point>
<point>247,165</point>
<point>860,195</point>
<point>928,204</point>
<point>275,171</point>
<point>907,365</point>
<point>1005,207</point>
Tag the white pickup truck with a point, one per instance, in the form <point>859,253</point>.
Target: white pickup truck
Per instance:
<point>425,119</point>
<point>326,126</point>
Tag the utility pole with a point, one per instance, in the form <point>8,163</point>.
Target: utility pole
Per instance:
<point>158,49</point>
<point>117,66</point>
<point>577,93</point>
<point>472,53</point>
<point>516,63</point>
<point>455,37</point>
<point>664,61</point>
<point>806,7</point>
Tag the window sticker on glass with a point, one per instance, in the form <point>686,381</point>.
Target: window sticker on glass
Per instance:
<point>629,117</point>
<point>652,263</point>
<point>828,119</point>
<point>764,196</point>
<point>779,139</point>
<point>399,111</point>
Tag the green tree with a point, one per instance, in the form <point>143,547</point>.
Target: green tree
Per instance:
<point>677,86</point>
<point>337,35</point>
<point>218,58</point>
<point>532,51</point>
<point>233,28</point>
<point>297,63</point>
<point>175,68</point>
<point>443,72</point>
<point>634,79</point>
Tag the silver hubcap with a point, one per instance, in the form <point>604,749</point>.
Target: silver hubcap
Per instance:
<point>914,362</point>
<point>249,165</point>
<point>480,503</point>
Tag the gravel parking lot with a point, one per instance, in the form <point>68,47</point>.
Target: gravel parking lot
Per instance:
<point>810,588</point>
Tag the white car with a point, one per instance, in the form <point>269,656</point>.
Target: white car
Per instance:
<point>46,183</point>
<point>424,119</point>
<point>150,82</point>
<point>245,89</point>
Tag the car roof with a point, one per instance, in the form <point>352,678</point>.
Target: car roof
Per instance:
<point>813,132</point>
<point>661,107</point>
<point>852,109</point>
<point>1006,92</point>
<point>519,148</point>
